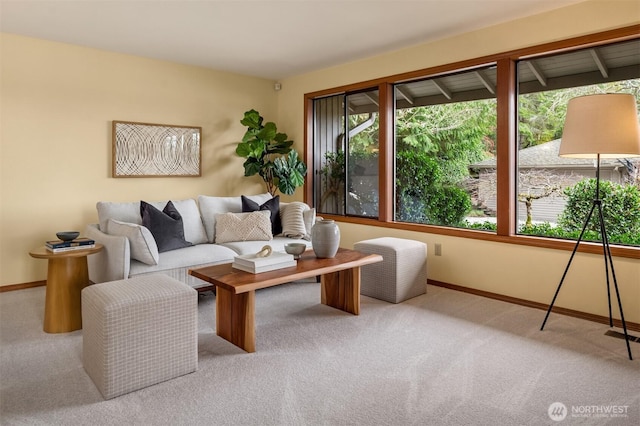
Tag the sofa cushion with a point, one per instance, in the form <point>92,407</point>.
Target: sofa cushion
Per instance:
<point>166,226</point>
<point>273,205</point>
<point>188,257</point>
<point>142,245</point>
<point>253,226</point>
<point>211,206</point>
<point>194,230</point>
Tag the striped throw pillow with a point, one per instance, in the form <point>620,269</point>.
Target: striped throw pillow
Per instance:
<point>293,225</point>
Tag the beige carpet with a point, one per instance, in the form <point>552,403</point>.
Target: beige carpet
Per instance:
<point>445,358</point>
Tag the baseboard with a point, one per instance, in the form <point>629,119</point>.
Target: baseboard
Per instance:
<point>22,286</point>
<point>558,310</point>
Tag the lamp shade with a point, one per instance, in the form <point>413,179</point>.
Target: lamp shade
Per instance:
<point>604,124</point>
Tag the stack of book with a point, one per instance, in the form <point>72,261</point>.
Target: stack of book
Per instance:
<point>58,246</point>
<point>255,265</point>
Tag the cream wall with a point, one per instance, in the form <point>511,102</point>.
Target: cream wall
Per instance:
<point>518,271</point>
<point>57,104</point>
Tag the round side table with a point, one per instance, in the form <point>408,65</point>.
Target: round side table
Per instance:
<point>67,275</point>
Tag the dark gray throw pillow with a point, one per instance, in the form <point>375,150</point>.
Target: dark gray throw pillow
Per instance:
<point>273,205</point>
<point>166,226</point>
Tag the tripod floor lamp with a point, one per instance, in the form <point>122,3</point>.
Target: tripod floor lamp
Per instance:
<point>600,126</point>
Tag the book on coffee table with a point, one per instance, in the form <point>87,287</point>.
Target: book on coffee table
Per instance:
<point>254,264</point>
<point>253,260</point>
<point>256,269</point>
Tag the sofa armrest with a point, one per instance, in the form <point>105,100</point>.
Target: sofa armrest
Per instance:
<point>113,262</point>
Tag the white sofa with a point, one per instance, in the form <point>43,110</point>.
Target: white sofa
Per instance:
<point>129,246</point>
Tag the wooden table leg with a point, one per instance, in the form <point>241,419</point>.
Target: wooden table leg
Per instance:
<point>66,277</point>
<point>235,318</point>
<point>341,290</point>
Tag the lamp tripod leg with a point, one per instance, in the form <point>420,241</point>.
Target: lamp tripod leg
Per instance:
<point>573,253</point>
<point>608,260</point>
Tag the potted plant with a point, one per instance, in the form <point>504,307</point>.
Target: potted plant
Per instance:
<point>269,154</point>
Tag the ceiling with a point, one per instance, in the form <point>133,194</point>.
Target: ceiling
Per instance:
<point>262,38</point>
<point>593,65</point>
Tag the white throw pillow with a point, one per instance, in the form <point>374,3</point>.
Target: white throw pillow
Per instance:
<point>309,217</point>
<point>253,226</point>
<point>142,244</point>
<point>293,221</point>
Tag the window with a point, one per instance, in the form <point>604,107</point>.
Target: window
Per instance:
<point>466,148</point>
<point>346,153</point>
<point>445,128</point>
<point>554,194</point>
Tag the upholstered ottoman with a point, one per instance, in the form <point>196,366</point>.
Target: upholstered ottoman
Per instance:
<point>401,275</point>
<point>138,332</point>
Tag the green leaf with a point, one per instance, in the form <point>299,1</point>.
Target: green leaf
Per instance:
<point>296,178</point>
<point>282,145</point>
<point>268,132</point>
<point>281,137</point>
<point>279,149</point>
<point>296,164</point>
<point>243,149</point>
<point>257,149</point>
<point>251,167</point>
<point>252,119</point>
<point>250,135</point>
<point>286,187</point>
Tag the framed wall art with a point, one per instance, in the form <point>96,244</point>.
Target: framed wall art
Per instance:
<point>155,150</point>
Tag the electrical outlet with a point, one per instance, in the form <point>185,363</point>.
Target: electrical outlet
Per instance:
<point>438,249</point>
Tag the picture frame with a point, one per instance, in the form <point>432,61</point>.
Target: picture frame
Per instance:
<point>155,150</point>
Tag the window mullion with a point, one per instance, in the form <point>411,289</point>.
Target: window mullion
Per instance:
<point>345,149</point>
<point>506,147</point>
<point>386,177</point>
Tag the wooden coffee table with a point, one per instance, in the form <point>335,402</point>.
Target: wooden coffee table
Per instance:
<point>235,289</point>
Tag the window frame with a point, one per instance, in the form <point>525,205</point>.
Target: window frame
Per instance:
<point>506,97</point>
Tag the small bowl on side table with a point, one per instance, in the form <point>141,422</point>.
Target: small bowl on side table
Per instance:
<point>67,235</point>
<point>296,249</point>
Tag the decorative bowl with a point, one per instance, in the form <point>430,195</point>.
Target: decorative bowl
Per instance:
<point>67,235</point>
<point>296,249</point>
